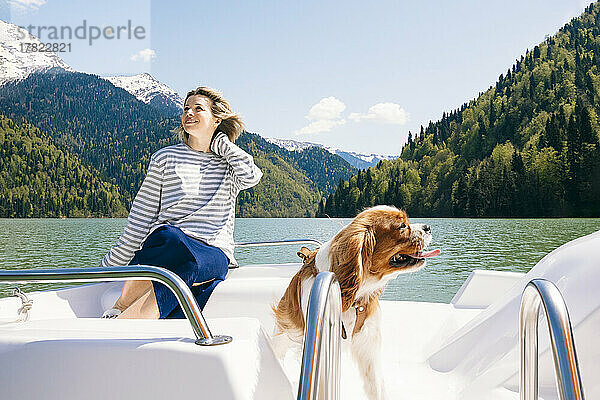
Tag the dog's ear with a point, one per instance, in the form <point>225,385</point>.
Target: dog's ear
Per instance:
<point>368,248</point>
<point>351,253</point>
<point>288,312</point>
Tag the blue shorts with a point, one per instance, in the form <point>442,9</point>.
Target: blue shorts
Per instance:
<point>191,259</point>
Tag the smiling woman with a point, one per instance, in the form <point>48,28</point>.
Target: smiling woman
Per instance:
<point>204,109</point>
<point>183,215</point>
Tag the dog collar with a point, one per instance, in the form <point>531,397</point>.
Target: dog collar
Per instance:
<point>360,318</point>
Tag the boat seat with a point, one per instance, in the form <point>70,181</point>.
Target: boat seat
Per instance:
<point>248,291</point>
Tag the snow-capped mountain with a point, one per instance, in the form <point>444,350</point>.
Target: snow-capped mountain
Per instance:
<point>16,62</point>
<point>357,160</point>
<point>149,90</point>
<point>292,145</point>
<point>362,161</point>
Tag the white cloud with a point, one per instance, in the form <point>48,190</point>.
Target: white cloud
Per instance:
<point>26,5</point>
<point>327,108</point>
<point>325,115</point>
<point>323,125</point>
<point>145,55</point>
<point>385,113</point>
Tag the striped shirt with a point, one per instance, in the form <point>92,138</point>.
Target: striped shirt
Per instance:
<point>192,190</point>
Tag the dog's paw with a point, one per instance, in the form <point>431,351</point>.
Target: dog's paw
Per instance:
<point>111,313</point>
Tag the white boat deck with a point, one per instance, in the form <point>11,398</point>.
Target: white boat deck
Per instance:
<point>52,351</point>
<point>64,331</point>
<point>463,350</point>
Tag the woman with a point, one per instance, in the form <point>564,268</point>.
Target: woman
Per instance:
<point>183,215</point>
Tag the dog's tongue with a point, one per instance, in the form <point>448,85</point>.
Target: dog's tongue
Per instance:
<point>427,254</point>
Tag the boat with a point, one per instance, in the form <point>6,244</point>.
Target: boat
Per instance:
<point>481,345</point>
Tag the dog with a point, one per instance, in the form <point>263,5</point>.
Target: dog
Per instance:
<point>377,246</point>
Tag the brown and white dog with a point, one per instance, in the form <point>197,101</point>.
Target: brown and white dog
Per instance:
<point>377,246</point>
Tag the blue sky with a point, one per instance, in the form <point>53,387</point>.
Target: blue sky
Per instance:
<point>348,74</point>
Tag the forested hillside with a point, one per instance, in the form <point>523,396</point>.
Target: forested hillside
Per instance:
<point>323,168</point>
<point>528,146</point>
<point>293,182</point>
<point>284,191</point>
<point>105,126</point>
<point>39,180</point>
<point>113,133</point>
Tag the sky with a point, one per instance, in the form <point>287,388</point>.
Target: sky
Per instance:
<point>353,75</point>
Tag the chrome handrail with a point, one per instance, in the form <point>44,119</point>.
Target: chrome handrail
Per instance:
<point>566,368</point>
<point>323,319</point>
<point>126,273</point>
<point>278,243</point>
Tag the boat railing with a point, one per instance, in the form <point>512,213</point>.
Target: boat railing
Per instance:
<point>101,274</point>
<point>277,243</point>
<point>566,368</point>
<point>319,374</point>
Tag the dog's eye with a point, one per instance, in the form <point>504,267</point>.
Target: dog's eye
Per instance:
<point>402,227</point>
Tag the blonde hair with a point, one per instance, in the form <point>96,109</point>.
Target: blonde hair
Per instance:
<point>231,122</point>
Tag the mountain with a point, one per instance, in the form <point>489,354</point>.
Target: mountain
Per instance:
<point>37,179</point>
<point>16,62</point>
<point>321,167</point>
<point>150,91</point>
<point>292,145</point>
<point>362,161</point>
<point>88,116</point>
<point>528,146</point>
<point>284,190</point>
<point>357,160</point>
<point>113,133</point>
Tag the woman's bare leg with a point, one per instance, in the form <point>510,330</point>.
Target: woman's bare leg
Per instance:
<point>144,307</point>
<point>132,291</point>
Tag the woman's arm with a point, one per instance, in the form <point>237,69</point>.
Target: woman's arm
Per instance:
<point>245,173</point>
<point>144,212</point>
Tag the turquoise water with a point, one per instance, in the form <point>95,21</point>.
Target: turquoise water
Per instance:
<point>466,244</point>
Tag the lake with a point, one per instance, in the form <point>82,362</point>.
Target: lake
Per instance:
<point>466,244</point>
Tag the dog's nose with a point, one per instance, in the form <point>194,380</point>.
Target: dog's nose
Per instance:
<point>426,229</point>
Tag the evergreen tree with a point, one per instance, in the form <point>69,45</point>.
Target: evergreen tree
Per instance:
<point>529,146</point>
